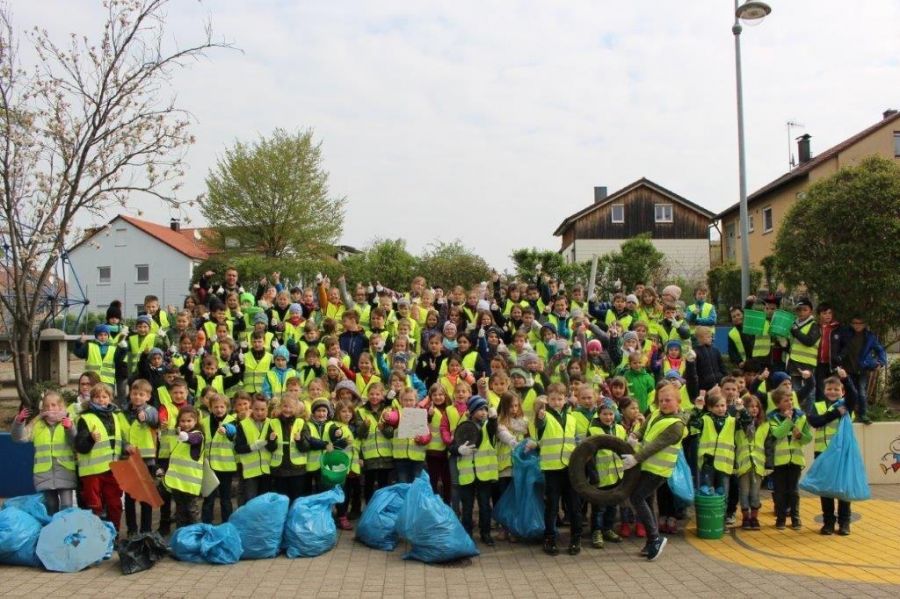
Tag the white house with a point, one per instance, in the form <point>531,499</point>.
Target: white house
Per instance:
<point>128,259</point>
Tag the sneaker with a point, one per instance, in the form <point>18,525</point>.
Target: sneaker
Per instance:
<point>754,524</point>
<point>730,520</point>
<point>640,531</point>
<point>612,537</point>
<point>796,524</point>
<point>844,530</point>
<point>597,539</point>
<point>827,530</point>
<point>344,523</point>
<point>645,549</point>
<point>746,523</point>
<point>625,530</point>
<point>488,540</point>
<point>575,546</point>
<point>550,547</point>
<point>779,524</point>
<point>655,549</point>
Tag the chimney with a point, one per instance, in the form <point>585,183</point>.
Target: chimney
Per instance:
<point>888,113</point>
<point>803,148</point>
<point>175,224</point>
<point>599,194</point>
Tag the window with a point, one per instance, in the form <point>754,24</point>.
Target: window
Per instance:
<point>618,213</point>
<point>729,240</point>
<point>663,213</point>
<point>768,223</point>
<point>104,275</point>
<point>750,223</point>
<point>120,237</point>
<point>143,273</point>
<point>896,144</point>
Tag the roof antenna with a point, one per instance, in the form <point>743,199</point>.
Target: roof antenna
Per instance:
<point>792,125</point>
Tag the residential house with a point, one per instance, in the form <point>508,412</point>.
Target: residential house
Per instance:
<point>129,258</point>
<point>678,227</point>
<point>768,206</point>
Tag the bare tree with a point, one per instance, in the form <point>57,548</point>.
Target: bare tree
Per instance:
<point>91,123</point>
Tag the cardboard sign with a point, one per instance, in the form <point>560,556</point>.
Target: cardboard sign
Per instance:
<point>413,423</point>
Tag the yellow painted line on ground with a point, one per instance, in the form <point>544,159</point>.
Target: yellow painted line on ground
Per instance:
<point>869,554</point>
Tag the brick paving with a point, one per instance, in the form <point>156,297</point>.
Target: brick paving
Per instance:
<point>507,571</point>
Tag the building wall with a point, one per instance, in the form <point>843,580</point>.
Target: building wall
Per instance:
<point>881,142</point>
<point>122,248</point>
<point>687,258</point>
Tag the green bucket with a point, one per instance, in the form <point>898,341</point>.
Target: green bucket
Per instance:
<point>335,467</point>
<point>782,321</point>
<point>710,512</point>
<point>754,322</point>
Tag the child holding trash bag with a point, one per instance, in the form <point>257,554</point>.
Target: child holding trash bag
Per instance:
<point>100,440</point>
<point>142,422</point>
<point>789,428</point>
<point>475,444</point>
<point>660,440</point>
<point>184,476</point>
<point>53,437</point>
<point>840,399</point>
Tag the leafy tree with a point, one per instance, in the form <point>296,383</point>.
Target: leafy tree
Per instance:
<point>448,264</point>
<point>271,197</point>
<point>843,241</point>
<point>386,261</point>
<point>637,261</point>
<point>725,284</point>
<point>84,128</point>
<point>526,261</point>
<point>253,267</point>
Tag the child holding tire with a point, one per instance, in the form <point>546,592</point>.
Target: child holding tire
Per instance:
<point>660,440</point>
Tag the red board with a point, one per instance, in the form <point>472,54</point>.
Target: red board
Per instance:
<point>134,478</point>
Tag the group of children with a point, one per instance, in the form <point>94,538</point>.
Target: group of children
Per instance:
<point>261,387</point>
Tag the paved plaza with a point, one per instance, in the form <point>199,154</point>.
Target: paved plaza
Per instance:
<point>744,564</point>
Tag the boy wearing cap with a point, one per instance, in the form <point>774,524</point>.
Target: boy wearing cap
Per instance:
<point>804,343</point>
<point>781,380</point>
<point>100,355</point>
<point>477,464</point>
<point>141,341</point>
<point>609,472</point>
<point>273,386</point>
<point>259,324</point>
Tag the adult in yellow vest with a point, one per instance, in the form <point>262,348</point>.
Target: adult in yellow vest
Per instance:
<point>477,464</point>
<point>53,436</point>
<point>804,342</point>
<point>660,441</point>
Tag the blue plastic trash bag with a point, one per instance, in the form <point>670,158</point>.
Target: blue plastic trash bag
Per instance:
<point>19,533</point>
<point>681,483</point>
<point>376,526</point>
<point>839,471</point>
<point>521,508</point>
<point>431,527</point>
<point>31,504</point>
<point>74,540</point>
<point>310,529</point>
<point>260,522</point>
<point>207,544</point>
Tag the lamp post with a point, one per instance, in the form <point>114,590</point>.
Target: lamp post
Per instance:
<point>748,12</point>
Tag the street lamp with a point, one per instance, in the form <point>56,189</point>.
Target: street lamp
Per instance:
<point>749,12</point>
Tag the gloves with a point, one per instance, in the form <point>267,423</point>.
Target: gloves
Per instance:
<point>173,350</point>
<point>492,412</point>
<point>391,394</point>
<point>378,287</point>
<point>275,344</point>
<point>236,368</point>
<point>318,278</point>
<point>23,415</point>
<point>258,445</point>
<point>576,344</point>
<point>123,344</point>
<point>495,307</point>
<point>421,440</point>
<point>370,290</point>
<point>632,440</point>
<point>220,290</point>
<point>629,461</point>
<point>530,445</point>
<point>481,333</point>
<point>183,436</point>
<point>244,345</point>
<point>123,331</point>
<point>78,407</point>
<point>66,422</point>
<point>466,449</point>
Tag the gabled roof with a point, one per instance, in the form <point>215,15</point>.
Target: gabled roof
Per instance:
<point>803,170</point>
<point>184,241</point>
<point>643,181</point>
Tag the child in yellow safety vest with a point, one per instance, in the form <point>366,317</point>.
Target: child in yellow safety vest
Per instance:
<point>475,446</point>
<point>219,430</point>
<point>375,447</point>
<point>716,448</point>
<point>790,430</point>
<point>408,453</point>
<point>442,420</point>
<point>320,435</point>
<point>657,444</point>
<point>750,461</point>
<point>184,476</point>
<point>346,421</point>
<point>53,436</point>
<point>289,460</point>
<point>141,424</point>
<point>512,428</point>
<point>609,473</point>
<point>840,399</point>
<point>254,442</point>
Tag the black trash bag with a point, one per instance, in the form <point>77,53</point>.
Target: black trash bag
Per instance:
<point>139,553</point>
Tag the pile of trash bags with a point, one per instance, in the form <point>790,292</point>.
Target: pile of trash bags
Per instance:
<point>72,540</point>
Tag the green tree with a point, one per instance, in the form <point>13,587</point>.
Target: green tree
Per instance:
<point>527,260</point>
<point>448,264</point>
<point>843,241</point>
<point>725,284</point>
<point>386,261</point>
<point>637,261</point>
<point>271,197</point>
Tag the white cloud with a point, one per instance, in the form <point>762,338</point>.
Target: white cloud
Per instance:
<point>492,121</point>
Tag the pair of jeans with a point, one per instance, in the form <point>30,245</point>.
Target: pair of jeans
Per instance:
<point>843,508</point>
<point>603,518</point>
<point>58,499</point>
<point>351,495</point>
<point>480,490</point>
<point>787,497</point>
<point>642,502</point>
<point>407,470</point>
<point>748,490</point>
<point>861,380</point>
<point>223,493</point>
<point>254,487</point>
<point>438,464</point>
<point>557,487</point>
<point>293,486</point>
<point>187,508</point>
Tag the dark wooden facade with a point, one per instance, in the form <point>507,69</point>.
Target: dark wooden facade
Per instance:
<point>638,201</point>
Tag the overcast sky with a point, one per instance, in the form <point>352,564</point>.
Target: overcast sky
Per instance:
<point>492,121</point>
